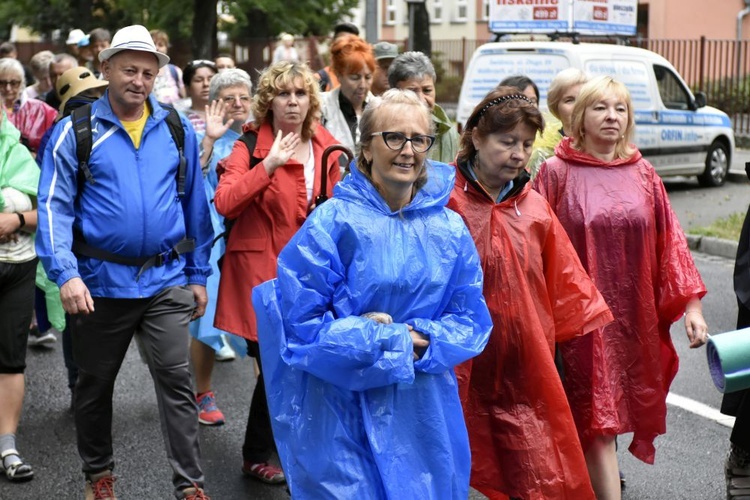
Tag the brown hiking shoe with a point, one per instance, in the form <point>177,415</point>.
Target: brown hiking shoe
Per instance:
<point>100,486</point>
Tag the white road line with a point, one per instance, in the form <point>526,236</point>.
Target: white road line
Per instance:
<point>700,409</point>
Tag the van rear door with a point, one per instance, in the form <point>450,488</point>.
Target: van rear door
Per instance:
<point>491,64</point>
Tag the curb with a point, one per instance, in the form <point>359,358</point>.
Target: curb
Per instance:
<point>712,246</point>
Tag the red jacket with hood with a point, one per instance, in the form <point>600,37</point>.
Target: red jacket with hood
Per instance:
<point>522,434</point>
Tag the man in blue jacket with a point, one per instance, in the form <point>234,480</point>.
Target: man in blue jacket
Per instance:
<point>130,254</point>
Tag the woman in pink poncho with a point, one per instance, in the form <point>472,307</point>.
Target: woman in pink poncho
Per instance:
<point>614,207</point>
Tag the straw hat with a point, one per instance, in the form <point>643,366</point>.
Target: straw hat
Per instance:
<point>135,37</point>
<point>74,81</point>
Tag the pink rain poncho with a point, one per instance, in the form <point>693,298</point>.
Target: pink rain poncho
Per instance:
<point>620,222</point>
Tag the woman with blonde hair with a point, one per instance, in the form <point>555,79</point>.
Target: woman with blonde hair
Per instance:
<point>268,190</point>
<point>561,97</point>
<point>616,211</point>
<point>378,297</point>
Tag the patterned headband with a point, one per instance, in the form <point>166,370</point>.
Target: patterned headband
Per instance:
<point>495,102</point>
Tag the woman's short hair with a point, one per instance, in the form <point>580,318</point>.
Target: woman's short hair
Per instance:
<point>500,111</point>
<point>282,75</point>
<point>192,67</point>
<point>11,65</point>
<point>520,82</point>
<point>351,54</point>
<point>39,62</point>
<point>593,91</point>
<point>408,66</point>
<point>372,119</point>
<point>231,77</point>
<point>560,84</point>
<point>159,36</point>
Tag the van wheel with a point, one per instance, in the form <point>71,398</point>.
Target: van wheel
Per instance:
<point>717,166</point>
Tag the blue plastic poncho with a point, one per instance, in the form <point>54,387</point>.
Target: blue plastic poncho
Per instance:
<point>203,328</point>
<point>354,416</point>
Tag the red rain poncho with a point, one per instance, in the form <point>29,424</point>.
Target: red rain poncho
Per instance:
<point>621,224</point>
<point>522,434</point>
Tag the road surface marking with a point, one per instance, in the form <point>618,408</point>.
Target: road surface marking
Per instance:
<point>700,409</point>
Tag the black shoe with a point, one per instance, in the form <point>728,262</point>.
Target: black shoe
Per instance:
<point>622,480</point>
<point>737,472</point>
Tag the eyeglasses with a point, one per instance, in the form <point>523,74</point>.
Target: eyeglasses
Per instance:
<point>13,83</point>
<point>230,99</point>
<point>396,141</point>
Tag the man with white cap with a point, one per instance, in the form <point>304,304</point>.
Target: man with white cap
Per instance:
<point>136,260</point>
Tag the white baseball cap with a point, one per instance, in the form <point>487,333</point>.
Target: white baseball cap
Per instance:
<point>135,37</point>
<point>74,37</point>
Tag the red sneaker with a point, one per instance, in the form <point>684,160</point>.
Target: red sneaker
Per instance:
<point>208,412</point>
<point>265,472</point>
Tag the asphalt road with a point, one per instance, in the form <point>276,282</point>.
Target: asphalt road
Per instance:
<point>689,457</point>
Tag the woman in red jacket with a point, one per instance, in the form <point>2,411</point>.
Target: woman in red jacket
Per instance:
<point>269,192</point>
<point>522,433</point>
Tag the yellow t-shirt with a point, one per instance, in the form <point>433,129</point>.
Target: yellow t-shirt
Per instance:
<point>135,128</point>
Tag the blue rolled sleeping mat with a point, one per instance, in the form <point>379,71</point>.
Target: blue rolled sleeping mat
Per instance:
<point>729,360</point>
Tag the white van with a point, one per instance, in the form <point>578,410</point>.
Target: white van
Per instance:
<point>675,130</point>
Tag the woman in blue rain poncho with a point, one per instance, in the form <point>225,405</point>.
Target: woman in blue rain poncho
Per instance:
<point>378,297</point>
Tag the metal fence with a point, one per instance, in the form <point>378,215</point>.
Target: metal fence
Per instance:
<point>720,68</point>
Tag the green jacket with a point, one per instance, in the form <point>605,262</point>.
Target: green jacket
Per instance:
<point>445,148</point>
<point>19,171</point>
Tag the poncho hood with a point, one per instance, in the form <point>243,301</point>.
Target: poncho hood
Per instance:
<point>566,151</point>
<point>434,194</point>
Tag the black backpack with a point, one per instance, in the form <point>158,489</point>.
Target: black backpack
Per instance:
<point>81,120</point>
<point>250,139</point>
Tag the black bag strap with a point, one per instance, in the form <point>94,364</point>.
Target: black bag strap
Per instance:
<point>249,139</point>
<point>178,135</point>
<point>81,120</point>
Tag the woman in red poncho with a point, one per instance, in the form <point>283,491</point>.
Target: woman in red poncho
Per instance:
<point>615,209</point>
<point>522,434</point>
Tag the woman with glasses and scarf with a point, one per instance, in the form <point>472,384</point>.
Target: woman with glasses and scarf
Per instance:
<point>378,297</point>
<point>229,94</point>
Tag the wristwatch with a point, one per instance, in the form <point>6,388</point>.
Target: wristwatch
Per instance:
<point>22,219</point>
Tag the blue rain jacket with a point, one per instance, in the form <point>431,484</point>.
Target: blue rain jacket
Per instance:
<point>132,209</point>
<point>354,416</point>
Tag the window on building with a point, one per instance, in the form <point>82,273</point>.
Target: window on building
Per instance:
<point>462,11</point>
<point>485,10</point>
<point>436,15</point>
<point>391,11</point>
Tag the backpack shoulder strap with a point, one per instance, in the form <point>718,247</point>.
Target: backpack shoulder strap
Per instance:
<point>178,135</point>
<point>250,139</point>
<point>81,120</point>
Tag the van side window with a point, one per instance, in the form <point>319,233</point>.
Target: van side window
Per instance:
<point>673,94</point>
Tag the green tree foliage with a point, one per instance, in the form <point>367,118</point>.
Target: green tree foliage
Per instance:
<point>195,21</point>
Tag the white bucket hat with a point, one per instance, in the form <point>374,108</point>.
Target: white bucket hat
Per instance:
<point>135,37</point>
